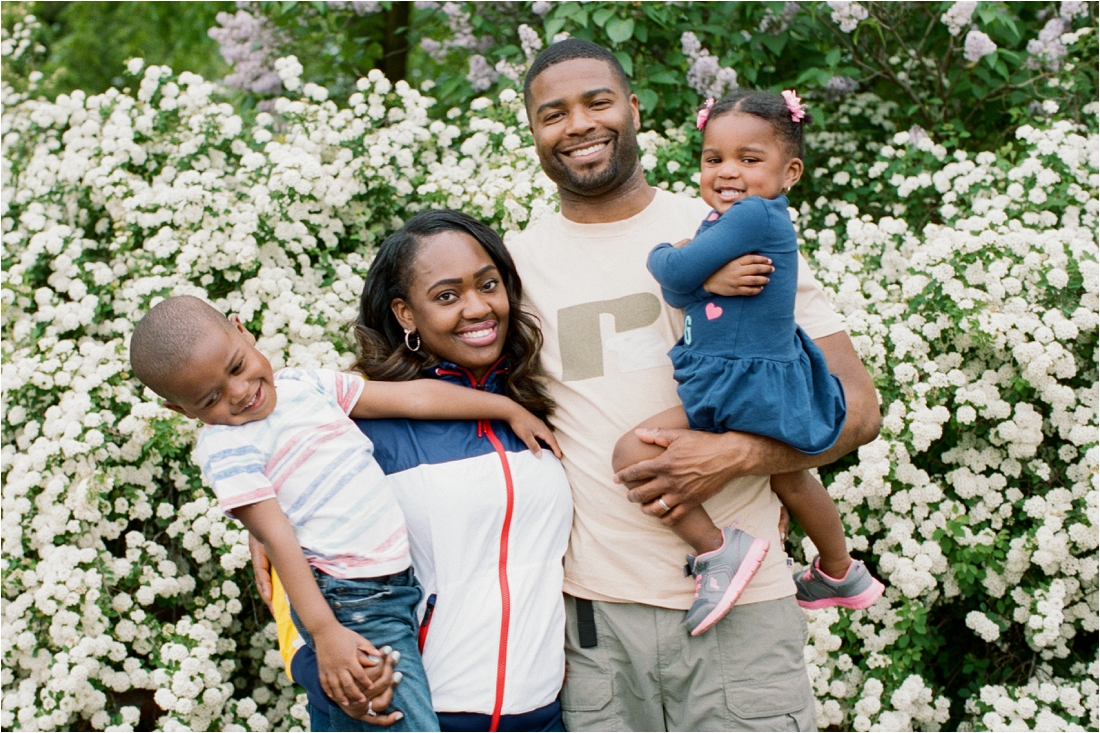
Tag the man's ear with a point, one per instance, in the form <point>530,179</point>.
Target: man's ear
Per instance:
<point>176,408</point>
<point>403,314</point>
<point>634,113</point>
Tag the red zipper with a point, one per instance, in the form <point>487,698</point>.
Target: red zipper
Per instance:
<point>484,429</point>
<point>505,596</point>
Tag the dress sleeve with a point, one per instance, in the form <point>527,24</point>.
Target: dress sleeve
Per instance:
<point>683,270</point>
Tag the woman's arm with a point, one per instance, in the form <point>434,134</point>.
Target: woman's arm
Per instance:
<point>338,648</point>
<point>430,399</point>
<point>684,269</point>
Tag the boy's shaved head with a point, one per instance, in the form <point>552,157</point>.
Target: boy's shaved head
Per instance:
<point>163,340</point>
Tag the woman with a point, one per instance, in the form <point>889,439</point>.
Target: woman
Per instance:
<point>488,521</point>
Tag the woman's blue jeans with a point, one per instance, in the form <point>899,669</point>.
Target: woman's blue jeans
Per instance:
<point>383,611</point>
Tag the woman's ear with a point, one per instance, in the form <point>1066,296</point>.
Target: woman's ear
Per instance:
<point>403,314</point>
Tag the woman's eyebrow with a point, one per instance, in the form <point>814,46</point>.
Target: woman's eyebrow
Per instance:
<point>458,280</point>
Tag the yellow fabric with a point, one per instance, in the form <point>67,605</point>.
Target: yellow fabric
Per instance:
<point>607,333</point>
<point>289,640</point>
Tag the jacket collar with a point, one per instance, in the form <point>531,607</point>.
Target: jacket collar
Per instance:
<point>493,381</point>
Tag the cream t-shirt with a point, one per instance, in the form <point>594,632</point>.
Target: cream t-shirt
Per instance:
<point>607,335</point>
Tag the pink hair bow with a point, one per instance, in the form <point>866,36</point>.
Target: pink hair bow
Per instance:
<point>794,104</point>
<point>704,113</point>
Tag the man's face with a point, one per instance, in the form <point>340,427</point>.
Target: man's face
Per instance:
<point>584,124</point>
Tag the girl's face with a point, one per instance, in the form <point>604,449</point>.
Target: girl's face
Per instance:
<point>457,303</point>
<point>743,157</point>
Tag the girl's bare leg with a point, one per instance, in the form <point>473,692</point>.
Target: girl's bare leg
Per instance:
<point>815,511</point>
<point>695,527</point>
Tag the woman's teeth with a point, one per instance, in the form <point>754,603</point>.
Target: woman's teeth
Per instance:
<point>483,333</point>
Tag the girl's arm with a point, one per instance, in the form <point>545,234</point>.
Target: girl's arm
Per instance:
<point>684,269</point>
<point>429,399</point>
<point>339,649</point>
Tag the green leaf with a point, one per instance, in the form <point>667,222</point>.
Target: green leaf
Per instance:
<point>620,29</point>
<point>774,43</point>
<point>664,76</point>
<point>648,99</point>
<point>601,16</point>
<point>552,27</point>
<point>627,62</point>
<point>832,58</point>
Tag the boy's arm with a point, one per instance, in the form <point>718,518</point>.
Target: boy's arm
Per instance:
<point>338,648</point>
<point>430,399</point>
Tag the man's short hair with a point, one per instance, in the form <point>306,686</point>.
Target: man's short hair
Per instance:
<point>164,338</point>
<point>567,50</point>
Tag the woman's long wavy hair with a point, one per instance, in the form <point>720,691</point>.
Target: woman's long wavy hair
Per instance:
<point>382,351</point>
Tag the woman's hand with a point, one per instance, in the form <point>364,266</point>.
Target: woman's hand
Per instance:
<point>747,275</point>
<point>341,654</point>
<point>380,696</point>
<point>531,430</point>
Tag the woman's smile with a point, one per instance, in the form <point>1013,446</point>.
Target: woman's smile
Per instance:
<point>479,334</point>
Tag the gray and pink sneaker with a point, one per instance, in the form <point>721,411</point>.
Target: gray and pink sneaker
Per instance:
<point>721,575</point>
<point>858,589</point>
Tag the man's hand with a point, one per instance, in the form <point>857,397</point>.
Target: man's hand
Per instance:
<point>747,275</point>
<point>261,567</point>
<point>695,466</point>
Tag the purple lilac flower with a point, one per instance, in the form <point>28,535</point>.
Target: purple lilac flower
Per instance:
<point>978,45</point>
<point>706,75</point>
<point>1048,49</point>
<point>482,75</point>
<point>250,44</point>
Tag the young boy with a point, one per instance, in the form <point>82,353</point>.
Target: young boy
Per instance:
<point>284,457</point>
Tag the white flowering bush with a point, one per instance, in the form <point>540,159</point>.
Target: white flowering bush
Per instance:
<point>968,283</point>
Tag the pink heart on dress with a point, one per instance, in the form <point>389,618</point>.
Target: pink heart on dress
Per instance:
<point>713,311</point>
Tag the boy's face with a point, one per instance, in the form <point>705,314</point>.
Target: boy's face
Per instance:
<point>227,381</point>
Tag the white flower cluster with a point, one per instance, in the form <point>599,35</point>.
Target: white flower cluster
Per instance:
<point>958,16</point>
<point>977,46</point>
<point>847,15</point>
<point>706,74</point>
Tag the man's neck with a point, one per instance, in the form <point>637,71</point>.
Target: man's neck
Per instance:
<point>623,202</point>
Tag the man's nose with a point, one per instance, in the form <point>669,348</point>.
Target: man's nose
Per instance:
<point>580,122</point>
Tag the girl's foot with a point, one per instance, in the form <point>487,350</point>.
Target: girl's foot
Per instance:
<point>721,576</point>
<point>856,590</point>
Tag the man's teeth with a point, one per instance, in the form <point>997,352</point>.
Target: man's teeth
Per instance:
<point>587,151</point>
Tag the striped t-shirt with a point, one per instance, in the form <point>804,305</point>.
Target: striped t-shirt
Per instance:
<point>311,458</point>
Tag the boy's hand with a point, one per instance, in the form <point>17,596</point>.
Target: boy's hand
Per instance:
<point>342,675</point>
<point>747,275</point>
<point>531,430</point>
<point>374,710</point>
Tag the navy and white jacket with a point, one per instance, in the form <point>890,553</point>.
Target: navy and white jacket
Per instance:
<point>488,528</point>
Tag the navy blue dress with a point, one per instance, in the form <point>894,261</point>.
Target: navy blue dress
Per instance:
<point>743,364</point>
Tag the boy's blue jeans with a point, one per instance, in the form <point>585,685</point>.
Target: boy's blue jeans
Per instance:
<point>383,611</point>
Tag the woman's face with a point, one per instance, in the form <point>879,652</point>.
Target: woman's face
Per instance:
<point>457,303</point>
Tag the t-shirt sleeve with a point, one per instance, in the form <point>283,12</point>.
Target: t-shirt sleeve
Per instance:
<point>234,469</point>
<point>340,388</point>
<point>812,310</point>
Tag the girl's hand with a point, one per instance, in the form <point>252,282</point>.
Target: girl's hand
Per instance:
<point>531,430</point>
<point>747,275</point>
<point>342,676</point>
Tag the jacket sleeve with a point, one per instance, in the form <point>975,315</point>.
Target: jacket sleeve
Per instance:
<point>683,270</point>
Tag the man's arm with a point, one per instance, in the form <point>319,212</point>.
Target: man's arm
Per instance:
<point>697,465</point>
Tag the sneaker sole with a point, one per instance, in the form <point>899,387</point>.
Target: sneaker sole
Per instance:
<point>863,600</point>
<point>758,550</point>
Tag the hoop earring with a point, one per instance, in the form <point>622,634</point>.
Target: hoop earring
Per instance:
<point>409,346</point>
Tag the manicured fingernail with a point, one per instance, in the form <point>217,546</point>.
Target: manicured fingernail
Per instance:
<point>373,658</point>
<point>396,657</point>
<point>386,650</point>
<point>398,716</point>
<point>397,677</point>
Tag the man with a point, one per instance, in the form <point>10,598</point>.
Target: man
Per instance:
<point>631,664</point>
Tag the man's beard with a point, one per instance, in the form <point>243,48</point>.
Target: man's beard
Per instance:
<point>618,169</point>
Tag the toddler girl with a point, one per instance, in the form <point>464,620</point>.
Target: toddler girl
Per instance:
<point>743,364</point>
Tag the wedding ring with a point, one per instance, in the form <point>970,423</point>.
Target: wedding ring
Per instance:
<point>370,708</point>
<point>664,506</point>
